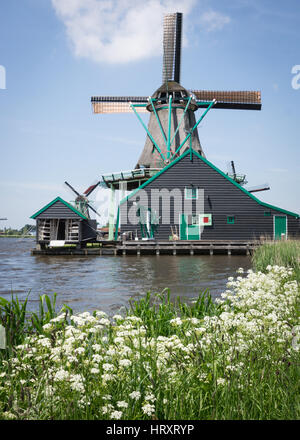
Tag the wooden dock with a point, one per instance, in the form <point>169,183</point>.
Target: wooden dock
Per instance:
<point>152,247</point>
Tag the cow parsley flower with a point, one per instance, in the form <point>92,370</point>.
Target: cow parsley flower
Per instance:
<point>116,415</point>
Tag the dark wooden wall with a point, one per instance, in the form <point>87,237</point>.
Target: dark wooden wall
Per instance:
<point>58,210</point>
<point>221,199</point>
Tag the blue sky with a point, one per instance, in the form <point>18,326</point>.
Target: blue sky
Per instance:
<point>59,53</point>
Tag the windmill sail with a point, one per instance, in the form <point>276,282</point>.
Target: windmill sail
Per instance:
<point>172,47</point>
<point>257,188</point>
<point>240,100</point>
<point>117,104</point>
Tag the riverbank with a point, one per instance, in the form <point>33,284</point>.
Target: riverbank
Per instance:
<point>16,236</point>
<point>236,358</point>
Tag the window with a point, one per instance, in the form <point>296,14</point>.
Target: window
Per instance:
<point>195,220</point>
<point>230,219</point>
<point>192,219</point>
<point>191,193</point>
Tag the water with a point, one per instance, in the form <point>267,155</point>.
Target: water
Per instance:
<point>107,283</point>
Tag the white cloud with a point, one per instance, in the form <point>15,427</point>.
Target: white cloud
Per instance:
<point>213,20</point>
<point>119,31</point>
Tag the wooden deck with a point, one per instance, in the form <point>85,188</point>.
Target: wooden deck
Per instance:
<point>152,247</point>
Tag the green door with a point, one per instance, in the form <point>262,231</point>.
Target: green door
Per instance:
<point>183,228</point>
<point>189,227</point>
<point>280,227</point>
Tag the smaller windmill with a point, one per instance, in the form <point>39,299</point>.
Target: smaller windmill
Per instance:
<point>238,178</point>
<point>81,202</point>
<point>241,179</point>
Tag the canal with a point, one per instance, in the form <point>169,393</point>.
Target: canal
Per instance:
<point>107,282</point>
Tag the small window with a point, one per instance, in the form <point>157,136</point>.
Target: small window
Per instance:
<point>195,219</point>
<point>191,193</point>
<point>267,213</point>
<point>230,219</point>
<point>192,219</point>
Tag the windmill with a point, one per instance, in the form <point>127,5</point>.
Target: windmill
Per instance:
<point>172,127</point>
<point>81,202</point>
<point>241,179</point>
<point>238,178</point>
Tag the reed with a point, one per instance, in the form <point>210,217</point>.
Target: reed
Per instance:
<point>19,322</point>
<point>280,253</point>
<point>156,310</point>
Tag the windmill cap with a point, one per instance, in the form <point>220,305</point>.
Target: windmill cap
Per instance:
<point>170,87</point>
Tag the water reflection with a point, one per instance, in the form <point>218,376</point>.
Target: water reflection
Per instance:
<point>107,282</point>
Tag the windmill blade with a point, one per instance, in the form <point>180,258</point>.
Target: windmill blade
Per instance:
<point>71,187</point>
<point>90,189</point>
<point>240,100</point>
<point>172,47</point>
<point>263,187</point>
<point>233,169</point>
<point>118,104</point>
<point>93,209</point>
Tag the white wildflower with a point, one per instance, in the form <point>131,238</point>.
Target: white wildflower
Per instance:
<point>135,395</point>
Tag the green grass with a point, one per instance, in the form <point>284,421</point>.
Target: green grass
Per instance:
<point>156,310</point>
<point>281,253</point>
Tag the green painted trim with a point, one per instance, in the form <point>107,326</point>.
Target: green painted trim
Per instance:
<point>111,213</point>
<point>194,128</point>
<point>230,219</point>
<point>169,127</point>
<point>243,189</point>
<point>185,110</point>
<point>158,121</point>
<point>117,224</point>
<point>218,171</point>
<point>147,131</point>
<point>58,199</point>
<point>153,177</point>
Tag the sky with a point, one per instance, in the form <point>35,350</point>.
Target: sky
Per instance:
<point>56,54</point>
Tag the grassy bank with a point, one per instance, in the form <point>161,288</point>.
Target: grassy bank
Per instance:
<point>235,359</point>
<point>280,253</point>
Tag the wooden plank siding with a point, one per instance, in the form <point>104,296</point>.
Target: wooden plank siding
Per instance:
<point>58,210</point>
<point>222,198</point>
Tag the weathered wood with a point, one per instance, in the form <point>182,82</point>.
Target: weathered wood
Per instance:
<point>156,248</point>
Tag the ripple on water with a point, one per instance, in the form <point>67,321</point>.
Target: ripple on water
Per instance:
<point>108,283</point>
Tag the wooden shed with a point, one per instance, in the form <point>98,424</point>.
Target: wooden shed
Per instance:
<point>59,223</point>
<point>226,211</point>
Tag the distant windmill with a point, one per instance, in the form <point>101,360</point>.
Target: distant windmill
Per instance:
<point>81,202</point>
<point>172,127</point>
<point>241,179</point>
